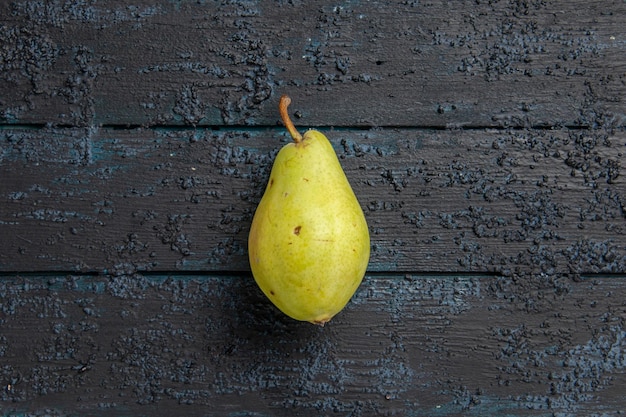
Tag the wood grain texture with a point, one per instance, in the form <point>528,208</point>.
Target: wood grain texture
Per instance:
<point>406,345</point>
<point>484,140</point>
<point>385,63</point>
<point>162,200</point>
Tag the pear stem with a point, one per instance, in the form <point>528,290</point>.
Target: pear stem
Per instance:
<point>285,100</point>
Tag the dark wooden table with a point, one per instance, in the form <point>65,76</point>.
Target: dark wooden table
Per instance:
<point>484,140</point>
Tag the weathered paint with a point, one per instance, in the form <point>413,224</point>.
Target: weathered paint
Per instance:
<point>484,140</point>
<point>416,344</point>
<point>165,200</point>
<point>358,64</point>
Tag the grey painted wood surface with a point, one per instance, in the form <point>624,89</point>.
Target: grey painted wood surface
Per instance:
<point>407,345</point>
<point>464,63</point>
<point>484,140</point>
<point>102,200</point>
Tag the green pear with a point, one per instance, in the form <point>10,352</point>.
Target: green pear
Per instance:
<point>309,243</point>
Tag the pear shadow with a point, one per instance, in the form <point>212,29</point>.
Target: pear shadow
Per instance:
<point>257,320</point>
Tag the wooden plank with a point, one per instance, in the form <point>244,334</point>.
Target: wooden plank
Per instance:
<point>118,201</point>
<point>412,345</point>
<point>375,63</point>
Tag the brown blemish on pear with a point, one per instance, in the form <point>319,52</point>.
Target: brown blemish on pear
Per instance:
<point>320,322</point>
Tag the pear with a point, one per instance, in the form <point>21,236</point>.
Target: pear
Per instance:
<point>309,243</point>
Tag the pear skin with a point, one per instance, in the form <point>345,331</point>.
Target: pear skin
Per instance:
<point>309,243</point>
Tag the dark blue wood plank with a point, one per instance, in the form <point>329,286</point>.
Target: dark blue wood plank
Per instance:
<point>406,344</point>
<point>367,63</point>
<point>117,201</point>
